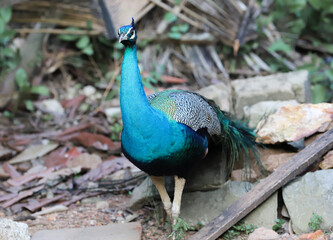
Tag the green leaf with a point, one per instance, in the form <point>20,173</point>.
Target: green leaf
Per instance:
<point>29,105</point>
<point>21,79</point>
<point>169,17</point>
<point>89,24</point>
<point>180,28</point>
<point>319,93</point>
<point>83,42</point>
<point>329,74</point>
<point>2,25</point>
<point>174,35</point>
<point>41,90</point>
<point>296,6</point>
<point>69,37</point>
<point>6,35</point>
<point>7,52</point>
<point>279,45</point>
<point>8,114</point>
<point>6,14</point>
<point>88,50</point>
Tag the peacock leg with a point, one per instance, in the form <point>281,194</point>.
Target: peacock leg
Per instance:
<point>159,184</point>
<point>179,187</point>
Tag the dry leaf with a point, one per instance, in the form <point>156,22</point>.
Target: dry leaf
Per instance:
<point>33,152</point>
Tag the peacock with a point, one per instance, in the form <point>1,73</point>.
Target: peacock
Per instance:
<point>165,133</point>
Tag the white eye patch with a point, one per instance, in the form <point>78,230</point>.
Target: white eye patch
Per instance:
<point>128,32</point>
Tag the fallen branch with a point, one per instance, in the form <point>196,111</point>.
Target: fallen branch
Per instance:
<point>288,171</point>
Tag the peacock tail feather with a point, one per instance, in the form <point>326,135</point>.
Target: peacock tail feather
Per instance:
<point>237,140</point>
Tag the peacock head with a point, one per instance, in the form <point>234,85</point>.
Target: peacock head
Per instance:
<point>127,34</point>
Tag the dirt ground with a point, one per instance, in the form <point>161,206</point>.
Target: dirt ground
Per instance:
<point>86,213</point>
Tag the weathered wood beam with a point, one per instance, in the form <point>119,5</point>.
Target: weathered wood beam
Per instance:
<point>284,174</point>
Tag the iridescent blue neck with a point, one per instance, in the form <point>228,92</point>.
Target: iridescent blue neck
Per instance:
<point>135,108</point>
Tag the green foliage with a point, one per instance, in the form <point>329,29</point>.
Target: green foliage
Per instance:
<point>116,129</point>
<point>309,20</point>
<point>21,79</point>
<point>280,45</point>
<point>315,222</point>
<point>8,114</point>
<point>24,87</point>
<point>152,79</point>
<point>278,224</point>
<point>170,17</point>
<point>302,17</point>
<point>238,229</point>
<point>321,75</point>
<point>177,31</point>
<point>82,42</point>
<point>179,229</point>
<point>9,56</point>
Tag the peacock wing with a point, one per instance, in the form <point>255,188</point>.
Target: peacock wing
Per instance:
<point>188,108</point>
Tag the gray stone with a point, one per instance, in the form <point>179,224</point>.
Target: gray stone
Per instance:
<point>263,234</point>
<point>311,193</point>
<point>128,231</point>
<point>253,114</point>
<point>102,204</point>
<point>202,207</point>
<point>10,230</point>
<point>277,87</point>
<point>209,174</point>
<point>220,93</point>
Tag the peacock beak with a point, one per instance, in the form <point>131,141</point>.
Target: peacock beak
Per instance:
<point>122,37</point>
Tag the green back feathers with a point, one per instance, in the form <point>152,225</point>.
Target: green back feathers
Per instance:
<point>163,103</point>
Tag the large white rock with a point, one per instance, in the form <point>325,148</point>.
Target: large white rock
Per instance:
<point>292,123</point>
<point>10,230</point>
<point>277,87</point>
<point>253,114</point>
<point>311,193</point>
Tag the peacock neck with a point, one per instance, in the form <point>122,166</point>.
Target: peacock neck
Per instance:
<point>135,107</point>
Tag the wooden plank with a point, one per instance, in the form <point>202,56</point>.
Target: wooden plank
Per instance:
<point>288,171</point>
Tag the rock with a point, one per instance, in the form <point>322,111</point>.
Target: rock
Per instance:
<point>89,90</point>
<point>327,163</point>
<point>85,160</point>
<point>128,231</point>
<point>253,114</point>
<point>292,123</point>
<point>220,93</point>
<point>209,174</point>
<point>102,204</point>
<point>311,193</point>
<point>277,87</point>
<point>275,161</point>
<point>51,106</point>
<point>10,230</point>
<point>112,112</point>
<point>318,235</point>
<point>263,234</point>
<point>202,207</point>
